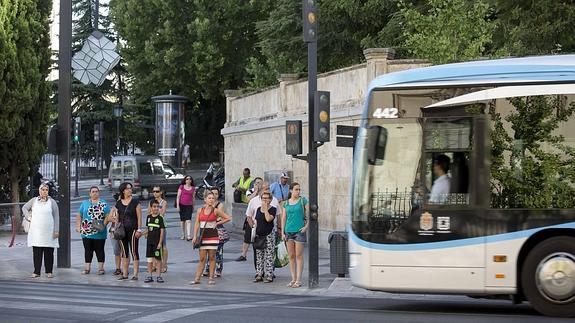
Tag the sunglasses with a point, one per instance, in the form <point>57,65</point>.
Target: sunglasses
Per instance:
<point>157,191</point>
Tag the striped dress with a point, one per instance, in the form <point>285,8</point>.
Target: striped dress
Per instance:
<point>210,238</point>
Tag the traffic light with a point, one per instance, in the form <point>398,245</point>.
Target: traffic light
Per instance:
<point>321,116</point>
<point>310,21</point>
<point>77,122</point>
<point>293,137</point>
<point>97,132</point>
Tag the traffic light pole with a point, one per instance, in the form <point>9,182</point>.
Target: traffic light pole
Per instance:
<point>64,120</point>
<point>312,167</point>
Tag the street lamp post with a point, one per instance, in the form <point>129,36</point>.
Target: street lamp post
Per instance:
<point>118,111</point>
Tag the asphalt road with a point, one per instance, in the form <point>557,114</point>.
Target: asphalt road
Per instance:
<point>57,302</point>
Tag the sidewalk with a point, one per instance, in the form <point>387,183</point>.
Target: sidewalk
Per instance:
<point>237,276</point>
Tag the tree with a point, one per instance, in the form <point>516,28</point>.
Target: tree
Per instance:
<point>346,28</point>
<point>193,48</point>
<point>534,27</point>
<point>448,31</point>
<point>24,92</point>
<point>532,166</point>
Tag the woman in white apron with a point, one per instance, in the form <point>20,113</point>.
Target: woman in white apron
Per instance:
<point>43,214</point>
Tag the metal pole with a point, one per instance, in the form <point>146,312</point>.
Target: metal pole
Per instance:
<point>64,119</point>
<point>118,136</point>
<point>101,144</point>
<point>96,13</point>
<point>77,157</point>
<point>312,165</point>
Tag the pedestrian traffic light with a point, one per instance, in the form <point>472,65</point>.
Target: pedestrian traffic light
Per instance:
<point>321,116</point>
<point>310,21</point>
<point>293,137</point>
<point>97,132</point>
<point>77,122</point>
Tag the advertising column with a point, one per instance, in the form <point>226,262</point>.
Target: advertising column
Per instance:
<point>170,133</point>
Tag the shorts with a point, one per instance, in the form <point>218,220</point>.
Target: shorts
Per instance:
<point>247,232</point>
<point>297,237</point>
<point>186,212</point>
<point>152,252</point>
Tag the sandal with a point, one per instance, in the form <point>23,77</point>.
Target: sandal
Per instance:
<point>50,275</point>
<point>123,278</point>
<point>296,285</point>
<point>101,272</point>
<point>258,279</point>
<point>85,272</point>
<point>291,283</point>
<point>195,282</point>
<point>211,281</point>
<point>117,272</point>
<point>133,278</point>
<point>165,269</point>
<point>34,276</point>
<point>268,280</point>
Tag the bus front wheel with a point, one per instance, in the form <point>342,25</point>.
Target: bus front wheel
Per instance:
<point>548,277</point>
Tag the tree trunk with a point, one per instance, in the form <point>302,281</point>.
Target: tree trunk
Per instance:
<point>15,196</point>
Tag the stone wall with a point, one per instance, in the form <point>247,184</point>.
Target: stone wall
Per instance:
<point>254,134</point>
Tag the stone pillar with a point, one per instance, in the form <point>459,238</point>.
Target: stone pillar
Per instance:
<point>230,95</point>
<point>377,60</point>
<point>285,80</point>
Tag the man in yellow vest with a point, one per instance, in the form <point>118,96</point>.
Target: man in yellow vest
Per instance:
<point>243,184</point>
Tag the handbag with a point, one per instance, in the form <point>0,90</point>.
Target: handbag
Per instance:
<point>26,221</point>
<point>260,242</point>
<point>237,196</point>
<point>119,230</point>
<point>223,235</point>
<point>98,225</point>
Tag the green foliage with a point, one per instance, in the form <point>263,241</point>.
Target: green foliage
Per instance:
<point>532,166</point>
<point>534,27</point>
<point>449,30</point>
<point>24,92</point>
<point>346,28</point>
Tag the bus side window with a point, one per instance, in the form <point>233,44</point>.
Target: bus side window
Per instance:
<point>448,174</point>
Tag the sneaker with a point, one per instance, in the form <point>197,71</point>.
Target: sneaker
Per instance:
<point>241,258</point>
<point>159,279</point>
<point>149,279</point>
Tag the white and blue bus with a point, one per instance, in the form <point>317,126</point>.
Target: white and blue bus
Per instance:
<point>464,182</point>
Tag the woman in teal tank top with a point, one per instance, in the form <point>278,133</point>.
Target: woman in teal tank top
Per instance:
<point>294,224</point>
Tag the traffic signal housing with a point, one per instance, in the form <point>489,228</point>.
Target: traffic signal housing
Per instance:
<point>77,129</point>
<point>310,20</point>
<point>293,137</point>
<point>96,132</point>
<point>321,116</point>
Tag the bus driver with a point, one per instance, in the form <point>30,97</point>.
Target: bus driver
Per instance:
<point>441,186</point>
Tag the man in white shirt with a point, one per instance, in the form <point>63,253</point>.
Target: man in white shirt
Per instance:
<point>442,185</point>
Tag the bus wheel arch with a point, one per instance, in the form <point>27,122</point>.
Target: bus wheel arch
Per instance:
<point>547,275</point>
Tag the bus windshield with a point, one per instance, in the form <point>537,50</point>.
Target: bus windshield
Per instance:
<point>385,179</point>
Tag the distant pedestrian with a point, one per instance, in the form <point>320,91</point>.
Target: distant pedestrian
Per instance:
<point>243,184</point>
<point>295,224</point>
<point>220,227</point>
<point>129,212</point>
<point>91,221</point>
<point>43,214</point>
<point>206,236</point>
<point>264,222</point>
<point>155,233</point>
<point>159,196</point>
<point>185,156</point>
<point>280,189</point>
<point>185,205</point>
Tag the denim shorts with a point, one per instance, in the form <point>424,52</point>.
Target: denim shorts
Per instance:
<point>296,236</point>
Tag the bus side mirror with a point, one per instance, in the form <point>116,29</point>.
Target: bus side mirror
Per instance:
<point>376,143</point>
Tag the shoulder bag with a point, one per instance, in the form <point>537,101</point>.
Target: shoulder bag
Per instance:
<point>26,221</point>
<point>260,242</point>
<point>198,242</point>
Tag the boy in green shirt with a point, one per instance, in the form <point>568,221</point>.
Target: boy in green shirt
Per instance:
<point>155,233</point>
